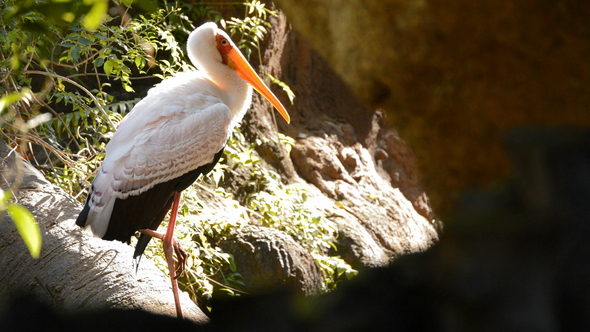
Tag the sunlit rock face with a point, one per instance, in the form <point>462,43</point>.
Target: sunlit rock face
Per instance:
<point>454,76</point>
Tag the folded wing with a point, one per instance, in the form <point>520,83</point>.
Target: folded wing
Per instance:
<point>163,138</point>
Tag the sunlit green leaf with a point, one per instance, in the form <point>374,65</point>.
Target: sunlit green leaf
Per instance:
<point>27,227</point>
<point>8,100</point>
<point>128,87</point>
<point>108,66</point>
<point>283,86</point>
<point>139,62</point>
<point>68,17</point>
<point>11,98</point>
<point>96,14</point>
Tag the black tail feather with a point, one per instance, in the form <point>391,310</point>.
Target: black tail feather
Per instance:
<point>142,243</point>
<point>81,220</point>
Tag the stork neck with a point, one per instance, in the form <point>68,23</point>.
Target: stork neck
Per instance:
<point>237,94</point>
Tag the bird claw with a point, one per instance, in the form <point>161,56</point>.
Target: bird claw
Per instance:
<point>180,253</point>
<point>181,257</point>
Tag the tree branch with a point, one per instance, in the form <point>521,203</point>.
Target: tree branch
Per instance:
<point>75,272</point>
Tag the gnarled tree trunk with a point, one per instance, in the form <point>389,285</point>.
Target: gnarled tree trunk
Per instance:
<point>75,272</point>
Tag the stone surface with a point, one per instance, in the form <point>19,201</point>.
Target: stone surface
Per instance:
<point>270,260</point>
<point>455,76</point>
<point>345,153</point>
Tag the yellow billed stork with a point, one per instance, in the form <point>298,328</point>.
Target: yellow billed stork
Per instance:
<point>171,137</point>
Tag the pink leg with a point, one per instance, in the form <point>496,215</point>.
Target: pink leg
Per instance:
<point>170,245</point>
<point>168,250</point>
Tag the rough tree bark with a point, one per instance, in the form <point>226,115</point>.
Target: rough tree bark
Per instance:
<point>75,272</point>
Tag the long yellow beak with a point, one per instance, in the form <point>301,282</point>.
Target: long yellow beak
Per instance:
<point>241,65</point>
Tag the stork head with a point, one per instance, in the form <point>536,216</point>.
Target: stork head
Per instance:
<point>209,47</point>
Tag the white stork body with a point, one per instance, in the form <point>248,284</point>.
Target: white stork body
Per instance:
<point>177,128</point>
<point>177,132</point>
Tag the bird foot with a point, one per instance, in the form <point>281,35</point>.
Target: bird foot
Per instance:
<point>181,254</point>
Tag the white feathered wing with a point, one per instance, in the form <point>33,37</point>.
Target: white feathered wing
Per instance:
<point>178,127</point>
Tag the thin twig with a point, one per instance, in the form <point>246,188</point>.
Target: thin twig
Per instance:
<point>71,66</point>
<point>38,72</point>
<point>109,76</point>
<point>59,118</point>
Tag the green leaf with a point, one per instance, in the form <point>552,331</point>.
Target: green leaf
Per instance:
<point>4,198</point>
<point>27,227</point>
<point>75,53</point>
<point>68,17</point>
<point>85,41</point>
<point>350,273</point>
<point>108,66</point>
<point>96,14</point>
<point>15,62</point>
<point>283,86</point>
<point>14,97</point>
<point>127,87</point>
<point>232,265</point>
<point>8,100</point>
<point>99,61</point>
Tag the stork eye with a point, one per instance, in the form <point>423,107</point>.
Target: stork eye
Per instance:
<point>224,42</point>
